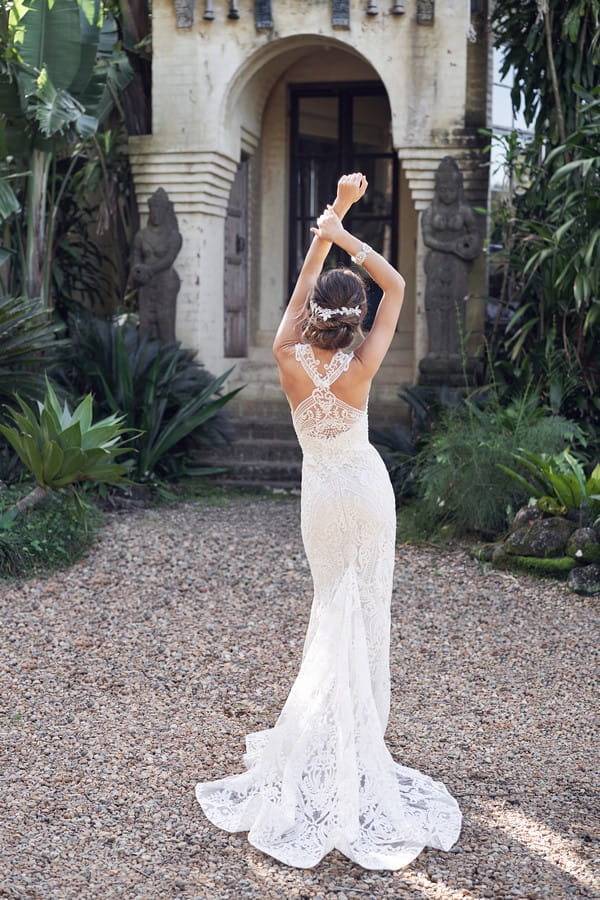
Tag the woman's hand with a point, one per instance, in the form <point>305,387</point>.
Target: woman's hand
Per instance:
<point>329,226</point>
<point>351,188</point>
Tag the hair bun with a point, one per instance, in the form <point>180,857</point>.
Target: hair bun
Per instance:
<point>335,309</point>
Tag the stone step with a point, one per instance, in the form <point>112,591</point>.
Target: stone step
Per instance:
<point>260,448</point>
<point>253,484</point>
<point>264,453</point>
<point>261,428</point>
<point>259,471</point>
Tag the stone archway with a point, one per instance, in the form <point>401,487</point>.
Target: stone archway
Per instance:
<point>257,112</point>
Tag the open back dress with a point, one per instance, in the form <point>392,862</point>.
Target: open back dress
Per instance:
<point>322,777</point>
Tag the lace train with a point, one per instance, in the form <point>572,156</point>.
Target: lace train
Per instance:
<point>322,778</point>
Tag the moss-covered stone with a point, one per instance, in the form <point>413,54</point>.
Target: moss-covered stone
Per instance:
<point>585,579</point>
<point>526,515</point>
<point>483,552</point>
<point>544,539</point>
<point>557,565</point>
<point>584,546</point>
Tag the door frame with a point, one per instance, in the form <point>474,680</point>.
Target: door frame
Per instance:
<point>345,91</point>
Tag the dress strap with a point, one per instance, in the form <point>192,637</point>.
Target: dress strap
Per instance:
<point>339,363</point>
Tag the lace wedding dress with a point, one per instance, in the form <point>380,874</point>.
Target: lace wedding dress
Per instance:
<point>323,778</point>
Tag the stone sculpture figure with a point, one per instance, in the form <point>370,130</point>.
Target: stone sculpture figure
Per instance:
<point>450,231</point>
<point>154,251</point>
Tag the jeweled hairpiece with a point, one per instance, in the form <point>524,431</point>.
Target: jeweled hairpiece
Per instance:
<point>323,313</point>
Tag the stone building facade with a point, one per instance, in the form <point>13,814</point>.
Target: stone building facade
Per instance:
<point>257,108</point>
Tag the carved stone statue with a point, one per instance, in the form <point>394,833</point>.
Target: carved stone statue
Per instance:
<point>451,232</point>
<point>154,250</point>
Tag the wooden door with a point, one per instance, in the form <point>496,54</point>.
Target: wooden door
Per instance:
<point>236,266</point>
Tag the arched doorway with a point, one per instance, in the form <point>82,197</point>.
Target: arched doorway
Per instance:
<point>305,116</point>
<point>342,127</point>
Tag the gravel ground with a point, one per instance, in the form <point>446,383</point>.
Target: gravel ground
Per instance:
<point>139,671</point>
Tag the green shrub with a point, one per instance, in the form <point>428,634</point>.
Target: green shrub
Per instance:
<point>559,484</point>
<point>550,289</point>
<point>163,393</point>
<point>28,343</point>
<point>461,484</point>
<point>49,536</point>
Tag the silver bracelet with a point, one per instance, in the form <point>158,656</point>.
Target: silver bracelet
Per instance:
<point>359,258</point>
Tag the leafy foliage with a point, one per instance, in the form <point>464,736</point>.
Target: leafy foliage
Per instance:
<point>159,388</point>
<point>49,537</point>
<point>60,447</point>
<point>559,483</point>
<point>58,81</point>
<point>28,343</point>
<point>552,274</point>
<point>460,483</point>
<point>551,46</point>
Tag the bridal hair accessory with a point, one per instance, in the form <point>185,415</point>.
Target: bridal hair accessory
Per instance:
<point>323,313</point>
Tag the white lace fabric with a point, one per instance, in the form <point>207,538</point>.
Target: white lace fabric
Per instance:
<point>322,777</point>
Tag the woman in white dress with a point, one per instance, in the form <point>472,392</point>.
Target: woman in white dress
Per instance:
<point>322,777</point>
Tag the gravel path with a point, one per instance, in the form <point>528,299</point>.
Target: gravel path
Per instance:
<point>139,671</point>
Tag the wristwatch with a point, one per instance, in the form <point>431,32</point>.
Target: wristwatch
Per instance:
<point>359,258</point>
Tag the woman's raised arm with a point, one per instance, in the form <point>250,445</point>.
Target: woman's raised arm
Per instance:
<point>350,189</point>
<point>373,349</point>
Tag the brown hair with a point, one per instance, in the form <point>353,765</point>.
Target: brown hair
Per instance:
<point>333,289</point>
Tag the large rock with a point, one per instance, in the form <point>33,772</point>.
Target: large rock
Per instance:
<point>585,579</point>
<point>545,538</point>
<point>527,515</point>
<point>584,545</point>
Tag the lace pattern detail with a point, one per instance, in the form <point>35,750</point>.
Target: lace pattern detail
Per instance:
<point>322,414</point>
<point>322,777</point>
<point>338,363</point>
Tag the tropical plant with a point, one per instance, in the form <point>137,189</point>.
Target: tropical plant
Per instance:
<point>159,388</point>
<point>61,448</point>
<point>104,184</point>
<point>59,73</point>
<point>551,46</point>
<point>559,484</point>
<point>460,483</point>
<point>28,344</point>
<point>552,257</point>
<point>134,21</point>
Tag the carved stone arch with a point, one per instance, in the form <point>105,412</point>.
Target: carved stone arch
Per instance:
<point>253,81</point>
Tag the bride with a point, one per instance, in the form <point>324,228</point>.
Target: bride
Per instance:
<point>322,777</point>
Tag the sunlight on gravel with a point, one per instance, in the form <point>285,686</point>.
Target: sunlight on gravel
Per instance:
<point>139,671</point>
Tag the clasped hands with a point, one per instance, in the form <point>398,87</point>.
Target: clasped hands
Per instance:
<point>350,189</point>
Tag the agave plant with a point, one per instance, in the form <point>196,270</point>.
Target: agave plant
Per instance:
<point>61,448</point>
<point>559,484</point>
